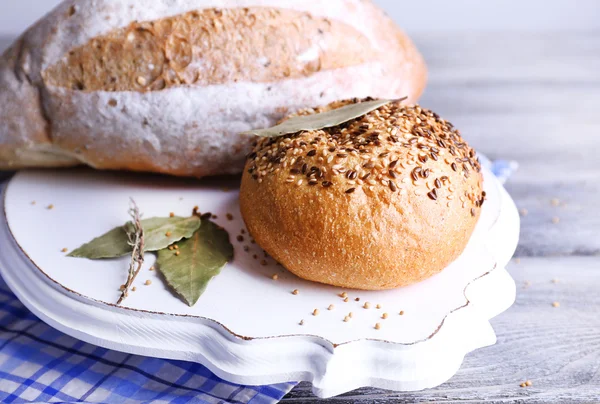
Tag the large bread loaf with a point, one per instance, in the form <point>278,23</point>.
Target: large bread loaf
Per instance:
<point>167,85</point>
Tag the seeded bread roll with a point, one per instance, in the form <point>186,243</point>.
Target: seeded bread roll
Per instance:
<point>167,85</point>
<point>383,201</point>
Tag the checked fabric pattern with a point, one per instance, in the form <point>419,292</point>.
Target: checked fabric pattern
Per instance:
<point>39,364</point>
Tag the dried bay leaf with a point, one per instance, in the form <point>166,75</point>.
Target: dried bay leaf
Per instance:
<point>200,258</point>
<point>323,120</point>
<point>115,243</point>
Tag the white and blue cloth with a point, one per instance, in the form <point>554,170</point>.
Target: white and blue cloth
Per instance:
<point>39,364</point>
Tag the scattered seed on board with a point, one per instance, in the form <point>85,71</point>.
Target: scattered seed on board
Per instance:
<point>176,247</point>
<point>378,306</point>
<point>133,289</point>
<point>346,319</point>
<point>556,304</point>
<point>295,292</point>
<point>168,234</point>
<point>346,300</point>
<point>401,312</point>
<point>274,277</point>
<point>229,216</point>
<point>524,212</point>
<point>64,250</point>
<point>528,383</point>
<point>554,202</point>
<point>50,207</point>
<point>315,312</point>
<point>377,326</point>
<point>151,269</point>
<point>33,202</point>
<point>177,253</point>
<point>555,220</point>
<point>331,307</point>
<point>301,322</point>
<point>343,294</point>
<point>172,214</point>
<point>384,316</point>
<point>367,305</point>
<point>148,282</point>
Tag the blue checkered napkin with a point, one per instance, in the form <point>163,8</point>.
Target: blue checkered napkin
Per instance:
<point>40,364</point>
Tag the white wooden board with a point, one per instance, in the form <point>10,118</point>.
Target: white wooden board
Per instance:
<point>245,327</point>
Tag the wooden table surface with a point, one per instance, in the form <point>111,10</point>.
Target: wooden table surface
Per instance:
<point>533,98</point>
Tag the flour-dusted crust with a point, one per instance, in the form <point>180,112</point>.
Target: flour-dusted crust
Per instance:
<point>187,127</point>
<point>385,200</point>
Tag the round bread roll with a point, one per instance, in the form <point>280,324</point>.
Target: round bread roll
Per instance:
<point>383,201</point>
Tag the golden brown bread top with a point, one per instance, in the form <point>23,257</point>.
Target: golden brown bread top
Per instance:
<point>396,148</point>
<point>211,46</point>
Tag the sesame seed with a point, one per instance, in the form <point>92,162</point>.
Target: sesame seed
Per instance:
<point>528,383</point>
<point>275,276</point>
<point>331,307</point>
<point>177,253</point>
<point>151,269</point>
<point>133,289</point>
<point>377,326</point>
<point>346,319</point>
<point>524,212</point>
<point>401,312</point>
<point>555,220</point>
<point>229,216</point>
<point>176,247</point>
<point>172,214</point>
<point>384,316</point>
<point>343,294</point>
<point>240,238</point>
<point>148,282</point>
<point>50,207</point>
<point>555,304</point>
<point>378,306</point>
<point>315,312</point>
<point>295,292</point>
<point>367,305</point>
<point>64,250</point>
<point>168,234</point>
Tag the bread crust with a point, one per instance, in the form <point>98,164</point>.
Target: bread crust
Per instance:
<point>186,130</point>
<point>370,220</point>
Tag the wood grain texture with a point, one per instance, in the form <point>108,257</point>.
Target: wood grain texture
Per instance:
<point>534,98</point>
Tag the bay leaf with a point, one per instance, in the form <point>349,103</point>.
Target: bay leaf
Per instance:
<point>322,120</point>
<point>116,244</point>
<point>200,259</point>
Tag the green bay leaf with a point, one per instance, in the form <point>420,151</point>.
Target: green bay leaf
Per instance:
<point>200,259</point>
<point>322,120</point>
<point>115,243</point>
